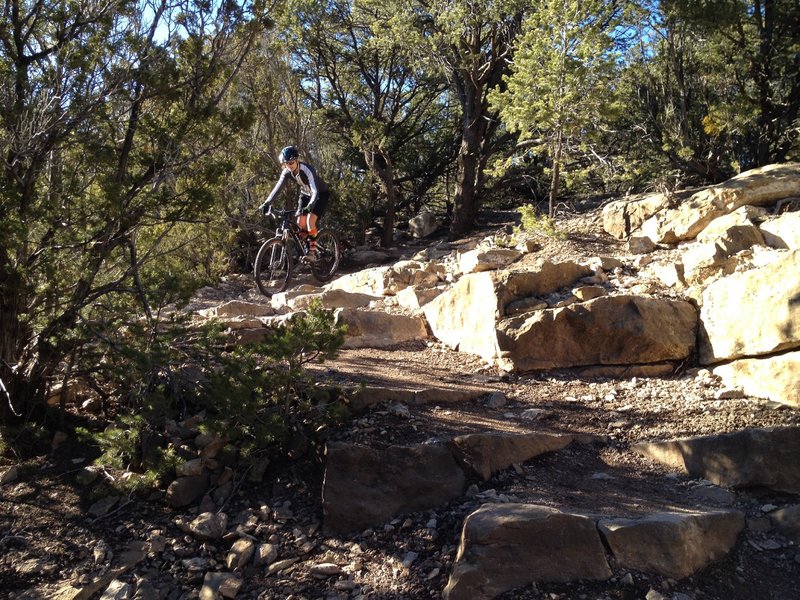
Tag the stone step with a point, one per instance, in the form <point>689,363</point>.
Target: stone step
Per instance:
<point>506,544</point>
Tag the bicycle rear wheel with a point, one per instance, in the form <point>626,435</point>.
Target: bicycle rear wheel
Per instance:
<point>328,254</point>
<point>273,268</point>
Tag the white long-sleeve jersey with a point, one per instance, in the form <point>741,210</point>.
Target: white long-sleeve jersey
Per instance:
<point>311,185</point>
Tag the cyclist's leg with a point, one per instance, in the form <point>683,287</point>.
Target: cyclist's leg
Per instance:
<point>302,219</point>
<point>302,223</point>
<point>319,210</point>
<point>322,205</point>
<point>311,225</point>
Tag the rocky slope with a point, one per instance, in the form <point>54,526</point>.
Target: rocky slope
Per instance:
<point>462,474</point>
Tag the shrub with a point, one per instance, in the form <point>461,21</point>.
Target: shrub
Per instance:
<point>534,223</point>
<point>256,396</point>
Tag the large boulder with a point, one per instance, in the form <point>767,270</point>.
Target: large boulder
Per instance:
<point>238,308</point>
<point>782,231</point>
<point>236,315</point>
<point>717,245</point>
<point>542,278</point>
<point>757,187</point>
<point>729,229</point>
<point>753,312</point>
<point>623,217</point>
<point>464,316</point>
<point>749,458</point>
<point>488,453</point>
<point>674,545</point>
<point>388,280</point>
<point>368,486</point>
<point>415,273</point>
<point>375,281</point>
<point>423,224</point>
<point>611,330</point>
<point>487,259</point>
<point>504,546</point>
<point>415,298</point>
<point>331,299</point>
<point>774,377</point>
<point>372,329</point>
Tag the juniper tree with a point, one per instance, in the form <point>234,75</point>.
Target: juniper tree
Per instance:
<point>560,91</point>
<point>110,114</point>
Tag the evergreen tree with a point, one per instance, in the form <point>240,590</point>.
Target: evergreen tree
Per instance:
<point>359,68</point>
<point>754,48</point>
<point>473,41</point>
<point>110,122</point>
<point>561,93</point>
<point>715,88</point>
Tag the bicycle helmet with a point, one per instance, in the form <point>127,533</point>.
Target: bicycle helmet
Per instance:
<point>288,153</point>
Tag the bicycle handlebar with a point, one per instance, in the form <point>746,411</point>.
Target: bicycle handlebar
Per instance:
<point>283,219</point>
<point>280,214</point>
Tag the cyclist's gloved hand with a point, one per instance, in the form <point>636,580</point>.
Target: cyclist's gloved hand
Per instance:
<point>266,209</point>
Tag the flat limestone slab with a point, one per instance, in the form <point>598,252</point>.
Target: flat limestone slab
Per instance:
<point>504,546</point>
<point>766,457</point>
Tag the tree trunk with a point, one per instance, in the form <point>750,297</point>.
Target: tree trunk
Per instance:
<point>466,200</point>
<point>554,181</point>
<point>479,65</point>
<point>9,339</point>
<point>391,202</point>
<point>22,395</point>
<point>380,164</point>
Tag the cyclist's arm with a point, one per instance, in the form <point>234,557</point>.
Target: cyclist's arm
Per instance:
<point>276,190</point>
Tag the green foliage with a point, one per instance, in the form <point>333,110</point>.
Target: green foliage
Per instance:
<point>713,90</point>
<point>121,446</point>
<point>254,396</point>
<point>24,440</point>
<point>115,145</point>
<point>531,222</point>
<point>120,442</point>
<point>351,211</point>
<point>562,68</point>
<point>560,95</point>
<point>260,393</point>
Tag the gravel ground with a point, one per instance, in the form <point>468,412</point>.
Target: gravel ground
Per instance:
<point>52,543</point>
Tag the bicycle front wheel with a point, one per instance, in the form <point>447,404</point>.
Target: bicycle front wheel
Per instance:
<point>328,254</point>
<point>273,268</point>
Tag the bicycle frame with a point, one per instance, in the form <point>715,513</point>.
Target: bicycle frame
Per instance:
<point>288,230</point>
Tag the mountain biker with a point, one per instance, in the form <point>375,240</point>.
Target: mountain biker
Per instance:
<point>314,192</point>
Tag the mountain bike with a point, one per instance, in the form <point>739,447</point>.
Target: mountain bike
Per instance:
<point>278,256</point>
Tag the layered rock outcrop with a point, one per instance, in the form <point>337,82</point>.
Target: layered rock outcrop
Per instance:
<point>715,284</point>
